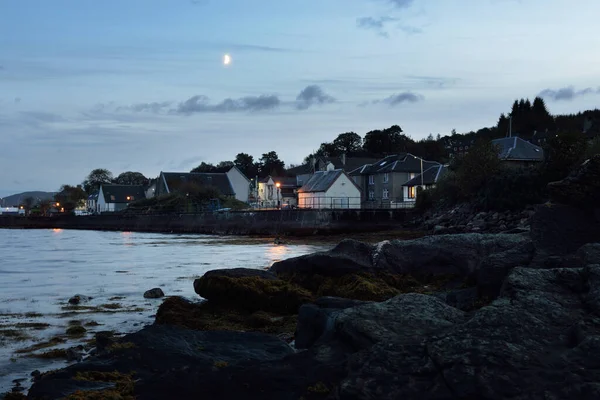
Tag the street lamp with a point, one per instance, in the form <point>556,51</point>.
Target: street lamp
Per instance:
<point>278,185</point>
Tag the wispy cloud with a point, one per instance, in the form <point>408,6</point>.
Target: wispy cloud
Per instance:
<point>567,93</point>
<point>201,104</point>
<point>154,107</point>
<point>376,24</point>
<point>312,95</point>
<point>401,3</point>
<point>381,25</point>
<point>400,98</point>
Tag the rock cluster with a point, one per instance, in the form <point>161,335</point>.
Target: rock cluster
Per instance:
<point>465,316</point>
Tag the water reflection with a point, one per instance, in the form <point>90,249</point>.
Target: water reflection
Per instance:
<point>56,230</point>
<point>277,253</point>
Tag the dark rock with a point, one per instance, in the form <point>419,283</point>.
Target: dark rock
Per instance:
<point>104,339</point>
<point>589,254</point>
<point>581,189</point>
<point>349,256</point>
<point>314,320</point>
<point>251,290</point>
<point>36,373</point>
<point>79,298</point>
<point>559,230</point>
<point>155,293</point>
<point>464,299</point>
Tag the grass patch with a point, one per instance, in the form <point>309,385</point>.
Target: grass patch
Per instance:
<point>42,345</point>
<point>13,334</point>
<point>116,298</point>
<point>221,364</point>
<point>92,323</point>
<point>319,388</point>
<point>76,330</point>
<point>33,315</point>
<point>123,389</point>
<point>121,346</point>
<point>32,325</point>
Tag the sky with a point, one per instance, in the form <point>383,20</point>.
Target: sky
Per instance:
<point>141,85</point>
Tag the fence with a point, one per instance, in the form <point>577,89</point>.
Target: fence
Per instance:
<point>352,203</point>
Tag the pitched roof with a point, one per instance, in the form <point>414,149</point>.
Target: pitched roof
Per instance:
<point>120,193</point>
<point>300,170</point>
<point>403,162</point>
<point>516,149</point>
<point>321,181</point>
<point>285,181</point>
<point>219,180</point>
<point>351,164</point>
<point>430,176</point>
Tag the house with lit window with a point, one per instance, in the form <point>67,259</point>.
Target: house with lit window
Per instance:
<point>427,180</point>
<point>112,198</point>
<point>382,182</point>
<point>267,193</point>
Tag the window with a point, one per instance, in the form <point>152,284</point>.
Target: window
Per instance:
<point>371,195</point>
<point>411,192</point>
<point>386,177</point>
<point>112,197</point>
<point>371,179</point>
<point>386,194</point>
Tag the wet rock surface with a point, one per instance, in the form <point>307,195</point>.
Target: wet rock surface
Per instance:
<point>155,293</point>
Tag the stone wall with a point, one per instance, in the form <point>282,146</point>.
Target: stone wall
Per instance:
<point>285,222</point>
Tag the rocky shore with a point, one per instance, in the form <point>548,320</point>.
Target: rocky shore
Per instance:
<point>463,316</point>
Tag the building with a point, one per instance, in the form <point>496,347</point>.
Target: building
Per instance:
<point>171,182</point>
<point>239,182</point>
<point>112,198</point>
<point>427,180</point>
<point>330,189</point>
<point>516,152</point>
<point>303,172</point>
<point>267,193</point>
<point>382,182</point>
<point>91,203</point>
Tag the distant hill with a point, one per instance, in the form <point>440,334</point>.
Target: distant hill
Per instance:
<point>16,199</point>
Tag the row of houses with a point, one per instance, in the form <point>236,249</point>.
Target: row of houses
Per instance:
<point>328,182</point>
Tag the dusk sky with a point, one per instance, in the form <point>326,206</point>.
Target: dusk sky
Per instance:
<point>141,85</point>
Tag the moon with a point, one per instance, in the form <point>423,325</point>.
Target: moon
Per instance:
<point>226,59</point>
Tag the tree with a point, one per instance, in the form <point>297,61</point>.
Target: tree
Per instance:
<point>28,204</point>
<point>131,178</point>
<point>270,164</point>
<point>347,143</point>
<point>387,141</point>
<point>225,164</point>
<point>45,206</point>
<point>96,178</point>
<point>204,167</point>
<point>477,166</point>
<point>563,152</point>
<point>245,163</point>
<point>70,197</point>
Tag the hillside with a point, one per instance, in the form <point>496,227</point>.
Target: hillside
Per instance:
<point>16,199</point>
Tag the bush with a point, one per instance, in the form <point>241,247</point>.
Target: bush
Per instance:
<point>512,189</point>
<point>424,199</point>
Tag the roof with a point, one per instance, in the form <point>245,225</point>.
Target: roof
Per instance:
<point>300,170</point>
<point>351,164</point>
<point>285,181</point>
<point>321,181</point>
<point>430,176</point>
<point>120,193</point>
<point>219,180</point>
<point>516,149</point>
<point>93,196</point>
<point>403,162</point>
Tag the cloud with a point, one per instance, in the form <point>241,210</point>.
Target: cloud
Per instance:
<point>155,107</point>
<point>41,116</point>
<point>312,95</point>
<point>376,24</point>
<point>201,104</point>
<point>17,100</point>
<point>399,98</point>
<point>567,93</point>
<point>401,3</point>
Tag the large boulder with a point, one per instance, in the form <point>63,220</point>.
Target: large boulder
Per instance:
<point>539,340</point>
<point>251,290</point>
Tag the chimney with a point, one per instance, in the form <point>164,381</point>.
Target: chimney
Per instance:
<point>343,160</point>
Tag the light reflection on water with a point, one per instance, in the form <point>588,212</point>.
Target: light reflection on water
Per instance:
<point>41,269</point>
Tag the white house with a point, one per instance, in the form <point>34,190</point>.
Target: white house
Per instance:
<point>113,198</point>
<point>267,192</point>
<point>329,189</point>
<point>240,184</point>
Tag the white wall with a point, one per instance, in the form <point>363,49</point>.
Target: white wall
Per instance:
<point>240,184</point>
<point>342,194</point>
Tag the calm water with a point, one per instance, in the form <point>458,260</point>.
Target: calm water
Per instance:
<point>41,269</point>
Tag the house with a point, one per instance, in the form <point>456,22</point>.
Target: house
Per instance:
<point>516,152</point>
<point>347,164</point>
<point>382,182</point>
<point>267,193</point>
<point>288,189</point>
<point>239,182</point>
<point>92,202</point>
<point>428,179</point>
<point>171,182</point>
<point>113,198</point>
<point>330,189</point>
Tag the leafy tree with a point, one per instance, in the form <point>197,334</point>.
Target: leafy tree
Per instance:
<point>270,164</point>
<point>563,152</point>
<point>245,163</point>
<point>593,148</point>
<point>477,166</point>
<point>387,141</point>
<point>28,204</point>
<point>348,143</point>
<point>45,206</point>
<point>204,167</point>
<point>96,178</point>
<point>225,164</point>
<point>70,197</point>
<point>131,178</point>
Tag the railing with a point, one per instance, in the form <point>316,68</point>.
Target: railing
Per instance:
<point>352,203</point>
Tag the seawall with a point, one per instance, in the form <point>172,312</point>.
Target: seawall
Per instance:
<point>271,222</point>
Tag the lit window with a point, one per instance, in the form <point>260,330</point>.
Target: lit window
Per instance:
<point>411,192</point>
<point>386,194</point>
<point>112,197</point>
<point>371,195</point>
<point>386,177</point>
<point>371,179</point>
